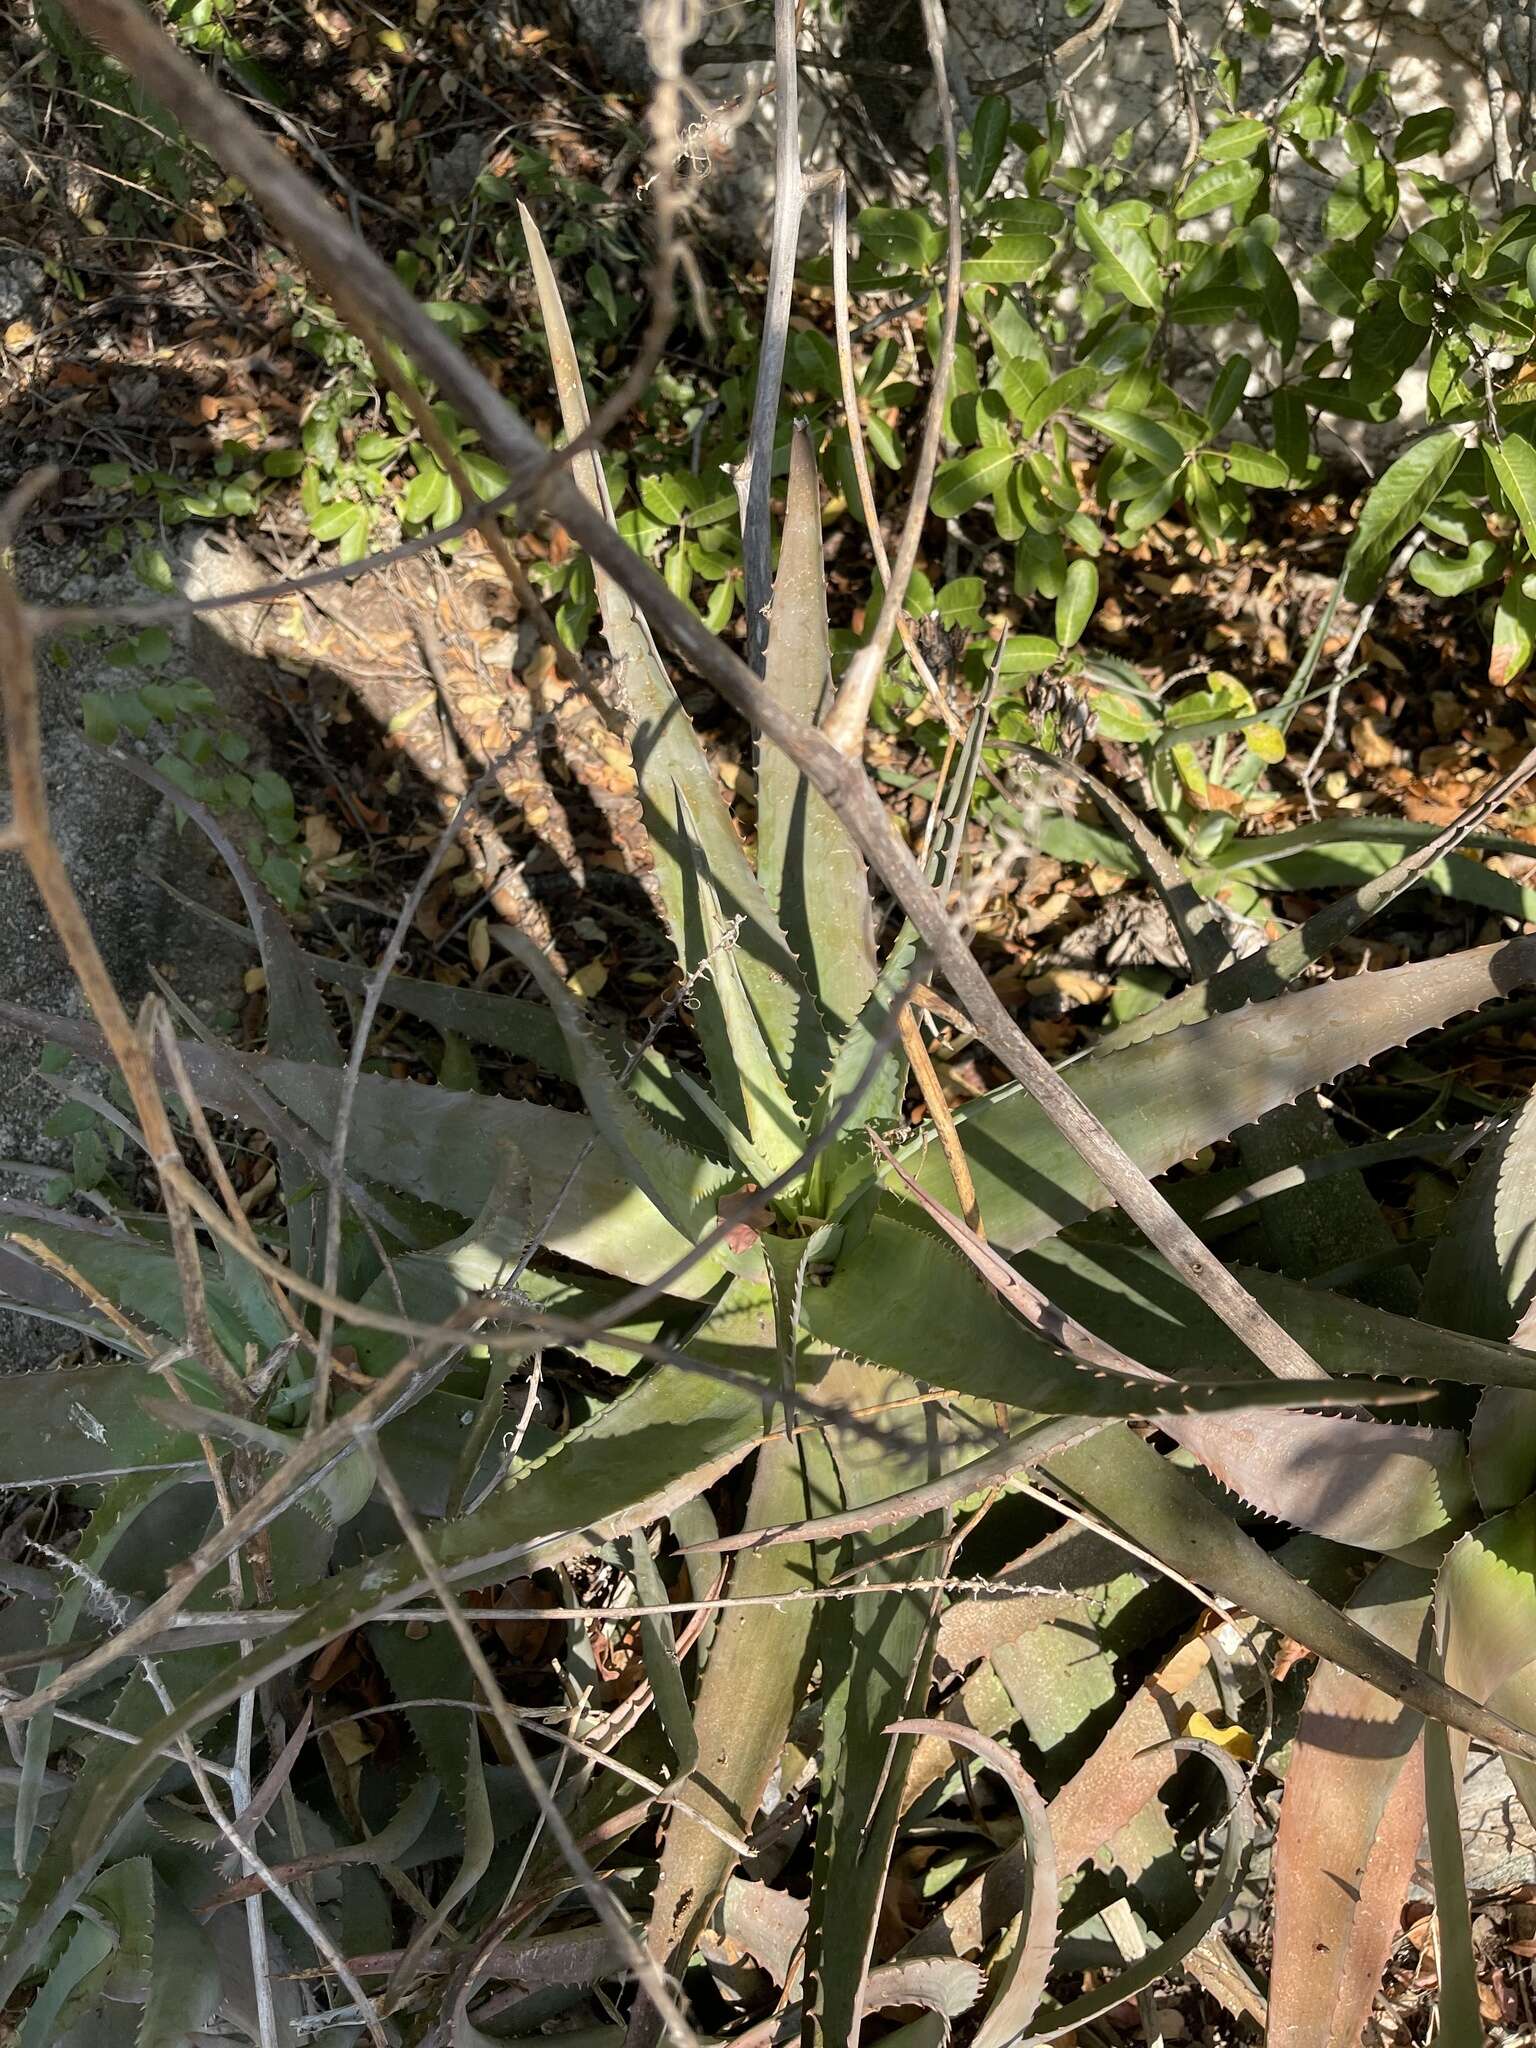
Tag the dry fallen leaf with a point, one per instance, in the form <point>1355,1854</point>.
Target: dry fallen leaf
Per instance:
<point>588,981</point>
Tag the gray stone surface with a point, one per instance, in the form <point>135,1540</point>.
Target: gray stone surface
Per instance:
<point>1125,81</point>
<point>114,834</point>
<point>1498,1839</point>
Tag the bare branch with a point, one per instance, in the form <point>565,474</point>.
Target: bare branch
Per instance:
<point>754,475</point>
<point>844,724</point>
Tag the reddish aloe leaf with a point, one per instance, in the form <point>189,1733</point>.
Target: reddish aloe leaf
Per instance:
<point>1350,1823</point>
<point>1369,1484</point>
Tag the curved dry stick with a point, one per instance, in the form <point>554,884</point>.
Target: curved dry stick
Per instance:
<point>844,724</point>
<point>861,473</point>
<point>754,474</point>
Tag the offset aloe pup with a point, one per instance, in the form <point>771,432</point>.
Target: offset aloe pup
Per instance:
<point>821,1345</point>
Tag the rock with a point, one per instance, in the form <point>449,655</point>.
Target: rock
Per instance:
<point>114,835</point>
<point>21,288</point>
<point>880,122</point>
<point>1498,1838</point>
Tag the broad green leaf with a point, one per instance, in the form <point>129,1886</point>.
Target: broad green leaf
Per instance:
<point>1337,277</point>
<point>1232,183</point>
<point>1251,465</point>
<point>1233,140</point>
<point>810,869</point>
<point>1451,575</point>
<point>966,479</point>
<point>1141,436</point>
<point>1008,259</point>
<point>1426,133</point>
<point>989,138</point>
<point>1061,394</point>
<point>1514,632</point>
<point>1396,503</point>
<point>1124,255</point>
<point>1280,315</point>
<point>901,235</point>
<point>1074,607</point>
<point>668,756</point>
<point>1227,392</point>
<point>1513,462</point>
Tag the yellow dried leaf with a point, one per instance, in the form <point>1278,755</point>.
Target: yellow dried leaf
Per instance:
<point>1237,1742</point>
<point>588,981</point>
<point>321,837</point>
<point>480,944</point>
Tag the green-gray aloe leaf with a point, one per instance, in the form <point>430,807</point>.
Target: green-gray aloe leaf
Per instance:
<point>449,1148</point>
<point>87,1951</point>
<point>298,1024</point>
<point>120,1506</point>
<point>774,1138</point>
<point>1169,1096</point>
<point>809,867</point>
<point>1132,1298</point>
<point>1350,1823</point>
<point>668,756</point>
<point>680,1183</point>
<point>1482,1277</point>
<point>902,1298</point>
<point>1374,1485</point>
<point>1482,1270</point>
<point>1021,1981</point>
<point>138,1276</point>
<point>876,1654</point>
<point>526,1030</point>
<point>1220,1889</point>
<point>658,1444</point>
<point>752,1684</point>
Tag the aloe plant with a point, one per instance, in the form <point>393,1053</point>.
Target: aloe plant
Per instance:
<point>777,1292</point>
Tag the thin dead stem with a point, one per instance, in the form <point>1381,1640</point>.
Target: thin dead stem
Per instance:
<point>845,721</point>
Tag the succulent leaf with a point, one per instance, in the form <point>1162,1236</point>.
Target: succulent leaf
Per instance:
<point>1169,1096</point>
<point>667,753</point>
<point>810,869</point>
